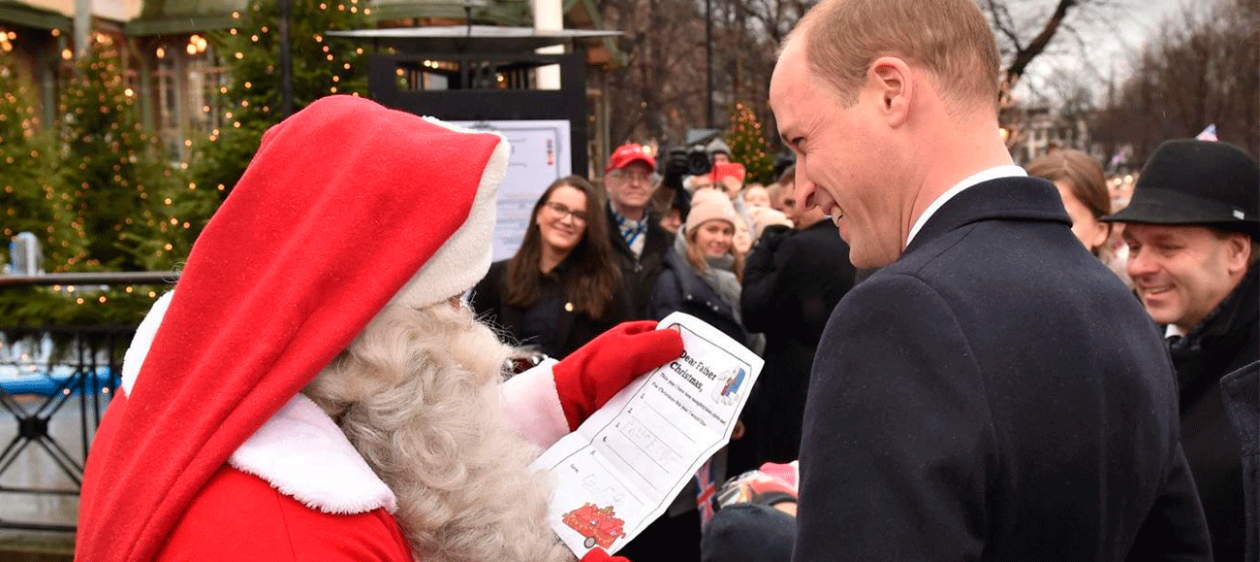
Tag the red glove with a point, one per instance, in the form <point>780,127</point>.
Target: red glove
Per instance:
<point>590,376</point>
<point>598,555</point>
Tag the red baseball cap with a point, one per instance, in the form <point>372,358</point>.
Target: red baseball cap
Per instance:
<point>627,154</point>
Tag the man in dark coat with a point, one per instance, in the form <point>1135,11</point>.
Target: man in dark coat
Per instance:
<point>992,392</point>
<point>639,243</point>
<point>1191,229</point>
<point>792,281</point>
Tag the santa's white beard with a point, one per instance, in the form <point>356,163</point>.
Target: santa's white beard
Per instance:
<point>417,395</point>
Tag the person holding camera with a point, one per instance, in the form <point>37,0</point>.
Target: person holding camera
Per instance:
<point>639,243</point>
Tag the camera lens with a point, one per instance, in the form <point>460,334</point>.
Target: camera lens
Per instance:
<point>698,163</point>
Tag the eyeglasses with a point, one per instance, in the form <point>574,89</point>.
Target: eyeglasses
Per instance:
<point>641,177</point>
<point>559,208</point>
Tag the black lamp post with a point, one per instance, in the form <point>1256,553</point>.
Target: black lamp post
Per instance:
<point>708,62</point>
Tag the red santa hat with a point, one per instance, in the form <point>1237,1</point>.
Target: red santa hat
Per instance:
<point>346,207</point>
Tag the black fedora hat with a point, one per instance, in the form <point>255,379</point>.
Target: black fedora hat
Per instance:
<point>1194,182</point>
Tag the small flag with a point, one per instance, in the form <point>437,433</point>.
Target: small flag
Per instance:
<point>1208,134</point>
<point>1121,156</point>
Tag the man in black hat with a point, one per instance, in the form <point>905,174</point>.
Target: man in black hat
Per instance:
<point>1192,228</point>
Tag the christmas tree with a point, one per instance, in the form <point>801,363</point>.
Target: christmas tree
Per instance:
<point>118,189</point>
<point>748,145</point>
<point>71,197</point>
<point>32,200</point>
<point>322,66</point>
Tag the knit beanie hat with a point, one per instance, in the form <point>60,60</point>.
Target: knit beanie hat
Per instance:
<point>346,207</point>
<point>710,204</point>
<point>716,146</point>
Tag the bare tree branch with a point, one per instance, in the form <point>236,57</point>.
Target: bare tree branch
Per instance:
<point>1025,55</point>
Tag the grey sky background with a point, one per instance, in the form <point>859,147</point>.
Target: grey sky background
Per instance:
<point>1110,35</point>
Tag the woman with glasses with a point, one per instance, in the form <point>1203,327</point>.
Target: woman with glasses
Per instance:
<point>562,288</point>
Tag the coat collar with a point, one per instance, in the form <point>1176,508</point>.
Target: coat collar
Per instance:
<point>1000,199</point>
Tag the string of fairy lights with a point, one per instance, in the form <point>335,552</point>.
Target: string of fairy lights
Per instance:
<point>748,143</point>
<point>101,91</point>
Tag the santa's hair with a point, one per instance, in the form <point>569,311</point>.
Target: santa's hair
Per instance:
<point>417,395</point>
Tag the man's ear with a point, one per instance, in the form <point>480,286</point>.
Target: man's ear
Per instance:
<point>891,80</point>
<point>1239,249</point>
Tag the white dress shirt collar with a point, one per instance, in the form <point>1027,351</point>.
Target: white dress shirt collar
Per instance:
<point>1004,171</point>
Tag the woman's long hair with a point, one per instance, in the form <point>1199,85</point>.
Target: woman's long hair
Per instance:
<point>1082,175</point>
<point>697,260</point>
<point>597,276</point>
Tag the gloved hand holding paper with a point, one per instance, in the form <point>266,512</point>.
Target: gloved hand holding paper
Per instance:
<point>624,465</point>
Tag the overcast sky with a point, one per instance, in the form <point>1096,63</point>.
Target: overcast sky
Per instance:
<point>1113,35</point>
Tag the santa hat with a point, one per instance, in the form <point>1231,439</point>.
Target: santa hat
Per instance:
<point>346,207</point>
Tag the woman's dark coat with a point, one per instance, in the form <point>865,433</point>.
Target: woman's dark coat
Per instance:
<point>679,289</point>
<point>554,308</point>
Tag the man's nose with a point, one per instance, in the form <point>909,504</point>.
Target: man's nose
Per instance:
<point>805,192</point>
<point>1141,263</point>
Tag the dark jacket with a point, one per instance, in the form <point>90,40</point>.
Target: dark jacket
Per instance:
<point>639,274</point>
<point>1242,402</point>
<point>679,289</point>
<point>792,281</point>
<point>994,394</point>
<point>550,323</point>
<point>1226,341</point>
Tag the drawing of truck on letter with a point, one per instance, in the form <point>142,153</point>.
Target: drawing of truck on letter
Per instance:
<point>597,524</point>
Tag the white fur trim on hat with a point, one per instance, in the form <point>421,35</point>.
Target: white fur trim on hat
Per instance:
<point>465,257</point>
<point>141,342</point>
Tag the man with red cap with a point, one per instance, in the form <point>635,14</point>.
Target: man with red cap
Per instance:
<point>638,242</point>
<point>313,389</point>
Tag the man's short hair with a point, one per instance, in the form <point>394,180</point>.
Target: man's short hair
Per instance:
<point>950,39</point>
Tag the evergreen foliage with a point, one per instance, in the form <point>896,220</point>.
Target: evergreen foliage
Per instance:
<point>322,66</point>
<point>748,145</point>
<point>119,192</point>
<point>32,201</point>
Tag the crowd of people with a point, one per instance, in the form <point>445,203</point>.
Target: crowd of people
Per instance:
<point>964,359</point>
